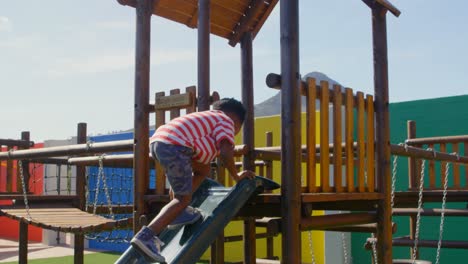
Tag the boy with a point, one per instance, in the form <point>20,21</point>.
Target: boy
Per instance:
<point>185,148</point>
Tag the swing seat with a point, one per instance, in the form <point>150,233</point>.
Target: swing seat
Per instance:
<point>61,217</point>
<point>409,261</point>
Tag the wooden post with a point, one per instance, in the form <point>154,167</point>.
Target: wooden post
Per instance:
<point>360,140</point>
<point>349,141</point>
<point>370,144</point>
<point>24,136</point>
<point>412,179</point>
<point>311,136</point>
<point>80,193</point>
<point>248,162</point>
<point>384,211</point>
<point>324,137</point>
<point>9,172</point>
<point>144,10</point>
<point>337,139</point>
<point>269,174</point>
<point>160,116</point>
<point>203,55</point>
<point>290,132</point>
<point>23,243</point>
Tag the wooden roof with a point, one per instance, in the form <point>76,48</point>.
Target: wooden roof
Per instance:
<point>230,19</point>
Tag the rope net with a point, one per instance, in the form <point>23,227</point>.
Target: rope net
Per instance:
<point>110,188</point>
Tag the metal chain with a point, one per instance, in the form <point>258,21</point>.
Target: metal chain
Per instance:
<point>87,189</point>
<point>374,248</point>
<point>23,184</point>
<point>69,176</point>
<point>104,183</point>
<point>394,172</point>
<point>418,216</point>
<point>312,255</point>
<point>96,192</point>
<point>345,248</point>
<point>442,213</point>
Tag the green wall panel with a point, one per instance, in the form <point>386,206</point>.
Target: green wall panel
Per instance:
<point>434,117</point>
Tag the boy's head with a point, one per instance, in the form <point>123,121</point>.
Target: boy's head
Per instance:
<point>234,109</point>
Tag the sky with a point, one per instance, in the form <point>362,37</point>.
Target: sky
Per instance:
<point>68,61</point>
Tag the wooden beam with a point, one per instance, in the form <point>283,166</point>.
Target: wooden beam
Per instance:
<point>203,53</point>
<point>246,21</point>
<point>336,220</point>
<point>174,101</point>
<point>140,142</point>
<point>248,161</point>
<point>420,153</point>
<point>16,143</point>
<point>385,3</point>
<point>382,133</point>
<point>88,148</point>
<point>290,132</point>
<point>437,140</point>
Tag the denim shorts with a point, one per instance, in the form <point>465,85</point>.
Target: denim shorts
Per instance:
<point>177,163</point>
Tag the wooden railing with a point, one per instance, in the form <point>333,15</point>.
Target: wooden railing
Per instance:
<point>352,148</point>
<point>455,145</point>
<point>349,149</point>
<point>173,104</point>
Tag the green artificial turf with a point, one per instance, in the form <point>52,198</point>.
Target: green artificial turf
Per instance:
<point>101,258</point>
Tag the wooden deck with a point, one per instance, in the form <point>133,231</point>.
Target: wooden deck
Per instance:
<point>61,217</point>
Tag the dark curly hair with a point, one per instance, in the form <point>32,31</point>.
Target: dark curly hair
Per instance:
<point>231,105</point>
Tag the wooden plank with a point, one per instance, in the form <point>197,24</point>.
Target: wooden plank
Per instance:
<point>370,144</point>
<point>159,172</point>
<point>335,220</point>
<point>430,212</point>
<point>349,152</point>
<point>175,112</point>
<point>192,90</point>
<point>324,138</point>
<point>438,140</point>
<point>9,173</point>
<point>456,168</point>
<point>432,176</point>
<point>173,101</point>
<point>337,139</point>
<point>443,166</point>
<point>361,144</point>
<point>245,22</point>
<point>23,243</point>
<point>311,135</point>
<point>465,147</point>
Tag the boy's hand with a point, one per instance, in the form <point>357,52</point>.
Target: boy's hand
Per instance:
<point>245,174</point>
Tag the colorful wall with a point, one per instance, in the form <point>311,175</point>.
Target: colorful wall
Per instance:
<point>434,117</point>
<point>10,228</point>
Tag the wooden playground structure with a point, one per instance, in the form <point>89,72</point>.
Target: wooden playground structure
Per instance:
<point>348,169</point>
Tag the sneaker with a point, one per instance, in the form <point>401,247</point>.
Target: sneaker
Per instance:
<point>149,244</point>
<point>188,216</point>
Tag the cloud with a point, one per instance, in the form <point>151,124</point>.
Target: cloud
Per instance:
<point>5,24</point>
<point>115,62</point>
<point>115,25</point>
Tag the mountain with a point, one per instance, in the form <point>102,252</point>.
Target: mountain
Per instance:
<point>272,105</point>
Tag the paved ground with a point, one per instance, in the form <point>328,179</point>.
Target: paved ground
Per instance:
<point>9,251</point>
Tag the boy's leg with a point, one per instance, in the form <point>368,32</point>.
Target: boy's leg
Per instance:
<point>200,172</point>
<point>176,161</point>
<point>169,212</point>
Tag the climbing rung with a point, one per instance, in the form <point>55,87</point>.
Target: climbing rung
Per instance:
<point>430,212</point>
<point>407,242</point>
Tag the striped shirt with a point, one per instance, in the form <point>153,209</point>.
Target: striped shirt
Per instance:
<point>200,131</point>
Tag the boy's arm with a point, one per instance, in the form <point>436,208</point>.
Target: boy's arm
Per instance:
<point>227,157</point>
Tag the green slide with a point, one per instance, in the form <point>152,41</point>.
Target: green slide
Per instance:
<point>218,205</point>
